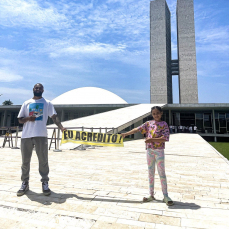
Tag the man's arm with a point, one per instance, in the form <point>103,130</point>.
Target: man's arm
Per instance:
<point>27,119</point>
<point>56,120</point>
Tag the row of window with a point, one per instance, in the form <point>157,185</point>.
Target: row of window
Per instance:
<point>203,121</point>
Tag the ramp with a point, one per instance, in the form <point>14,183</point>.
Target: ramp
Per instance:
<point>120,118</point>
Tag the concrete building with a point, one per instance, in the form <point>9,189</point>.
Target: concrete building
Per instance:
<point>211,120</point>
<point>160,53</point>
<point>77,103</point>
<point>162,67</point>
<point>186,52</point>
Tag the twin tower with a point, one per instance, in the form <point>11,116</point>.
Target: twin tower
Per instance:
<point>162,67</point>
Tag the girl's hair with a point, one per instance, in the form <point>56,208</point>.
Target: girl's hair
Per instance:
<point>156,107</point>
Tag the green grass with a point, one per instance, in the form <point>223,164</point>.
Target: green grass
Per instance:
<point>128,139</point>
<point>222,147</point>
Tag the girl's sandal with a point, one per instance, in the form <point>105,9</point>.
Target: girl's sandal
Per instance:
<point>168,201</point>
<point>148,199</point>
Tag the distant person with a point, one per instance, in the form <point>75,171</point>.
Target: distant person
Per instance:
<point>180,129</point>
<point>34,115</point>
<point>186,129</point>
<point>190,129</point>
<point>173,129</point>
<point>157,133</point>
<point>195,129</point>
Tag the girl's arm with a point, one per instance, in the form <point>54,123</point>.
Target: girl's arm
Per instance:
<point>161,139</point>
<point>133,131</point>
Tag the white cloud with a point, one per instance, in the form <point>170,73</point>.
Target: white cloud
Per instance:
<point>210,69</point>
<point>130,95</point>
<point>13,91</point>
<point>96,48</point>
<point>8,76</point>
<point>29,14</point>
<point>18,94</point>
<point>129,21</point>
<point>213,35</point>
<point>120,1</point>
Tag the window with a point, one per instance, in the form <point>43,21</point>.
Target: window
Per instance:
<point>222,120</point>
<point>66,116</point>
<point>199,121</point>
<point>217,121</point>
<point>227,118</point>
<point>207,120</point>
<point>187,119</point>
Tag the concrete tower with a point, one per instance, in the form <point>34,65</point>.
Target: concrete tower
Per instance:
<point>162,67</point>
<point>186,52</point>
<point>160,53</point>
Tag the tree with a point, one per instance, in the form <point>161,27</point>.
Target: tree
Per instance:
<point>7,103</point>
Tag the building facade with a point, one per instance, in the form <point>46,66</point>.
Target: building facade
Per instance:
<point>186,52</point>
<point>162,67</point>
<point>160,53</point>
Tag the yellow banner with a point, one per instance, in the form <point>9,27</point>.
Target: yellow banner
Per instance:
<point>92,138</point>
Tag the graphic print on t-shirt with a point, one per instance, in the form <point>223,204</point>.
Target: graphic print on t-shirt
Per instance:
<point>36,109</point>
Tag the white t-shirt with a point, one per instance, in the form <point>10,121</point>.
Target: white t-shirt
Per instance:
<point>40,108</point>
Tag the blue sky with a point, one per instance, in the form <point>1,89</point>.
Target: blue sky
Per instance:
<point>67,44</point>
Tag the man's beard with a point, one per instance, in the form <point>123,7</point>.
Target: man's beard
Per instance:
<point>37,94</point>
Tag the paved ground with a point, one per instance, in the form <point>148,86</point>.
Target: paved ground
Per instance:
<point>103,188</point>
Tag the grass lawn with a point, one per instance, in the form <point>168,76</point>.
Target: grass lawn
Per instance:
<point>128,139</point>
<point>222,147</point>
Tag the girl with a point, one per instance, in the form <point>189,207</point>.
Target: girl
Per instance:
<point>157,133</point>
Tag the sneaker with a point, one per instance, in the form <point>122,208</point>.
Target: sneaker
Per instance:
<point>45,188</point>
<point>24,188</point>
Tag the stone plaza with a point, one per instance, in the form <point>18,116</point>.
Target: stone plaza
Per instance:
<point>104,187</point>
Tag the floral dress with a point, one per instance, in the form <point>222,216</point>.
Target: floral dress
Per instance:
<point>154,129</point>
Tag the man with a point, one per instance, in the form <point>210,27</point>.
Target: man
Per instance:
<point>34,115</point>
<point>173,129</point>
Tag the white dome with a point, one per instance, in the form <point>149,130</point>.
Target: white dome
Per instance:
<point>88,95</point>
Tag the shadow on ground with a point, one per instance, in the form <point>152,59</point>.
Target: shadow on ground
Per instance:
<point>181,205</point>
<point>184,205</point>
<point>60,198</point>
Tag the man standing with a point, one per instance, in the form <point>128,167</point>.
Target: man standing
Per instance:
<point>34,115</point>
